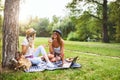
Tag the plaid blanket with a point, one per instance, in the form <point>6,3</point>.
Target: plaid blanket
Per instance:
<point>43,66</point>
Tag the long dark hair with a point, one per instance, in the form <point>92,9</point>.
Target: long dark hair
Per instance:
<point>59,39</point>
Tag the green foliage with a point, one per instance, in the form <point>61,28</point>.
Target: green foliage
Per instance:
<point>87,27</point>
<point>54,24</point>
<point>84,22</point>
<point>1,6</point>
<point>114,18</point>
<point>65,25</point>
<point>44,27</point>
<point>1,19</point>
<point>93,9</point>
<point>39,24</point>
<point>118,33</point>
<point>73,36</point>
<point>1,23</point>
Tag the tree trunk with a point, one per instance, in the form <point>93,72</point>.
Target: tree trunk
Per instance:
<point>105,18</point>
<point>10,31</point>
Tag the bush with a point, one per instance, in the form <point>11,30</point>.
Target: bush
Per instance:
<point>72,36</point>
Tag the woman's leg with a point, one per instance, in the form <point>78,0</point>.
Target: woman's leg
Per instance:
<point>50,56</point>
<point>41,50</point>
<point>58,58</point>
<point>35,60</point>
<point>53,59</point>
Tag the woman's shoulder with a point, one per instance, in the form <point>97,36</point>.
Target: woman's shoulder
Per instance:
<point>25,41</point>
<point>62,40</point>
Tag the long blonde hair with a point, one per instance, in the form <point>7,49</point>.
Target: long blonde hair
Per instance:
<point>30,33</point>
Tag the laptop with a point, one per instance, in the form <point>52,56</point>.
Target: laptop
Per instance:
<point>68,64</point>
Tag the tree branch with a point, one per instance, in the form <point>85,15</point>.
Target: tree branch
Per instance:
<point>95,2</point>
<point>95,16</point>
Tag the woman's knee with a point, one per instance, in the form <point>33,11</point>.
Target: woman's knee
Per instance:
<point>53,60</point>
<point>50,56</point>
<point>58,58</point>
<point>36,60</point>
<point>40,47</point>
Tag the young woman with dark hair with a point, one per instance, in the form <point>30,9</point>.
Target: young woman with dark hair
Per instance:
<point>56,47</point>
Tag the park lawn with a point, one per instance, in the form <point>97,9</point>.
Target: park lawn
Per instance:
<point>94,67</point>
<point>104,49</point>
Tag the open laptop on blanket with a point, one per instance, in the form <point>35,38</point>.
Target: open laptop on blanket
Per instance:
<point>69,62</point>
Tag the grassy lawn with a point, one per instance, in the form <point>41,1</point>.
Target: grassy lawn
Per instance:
<point>94,67</point>
<point>99,48</point>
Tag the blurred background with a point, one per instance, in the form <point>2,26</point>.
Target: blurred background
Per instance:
<point>79,20</point>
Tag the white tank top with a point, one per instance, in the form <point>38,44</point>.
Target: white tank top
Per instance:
<point>57,50</point>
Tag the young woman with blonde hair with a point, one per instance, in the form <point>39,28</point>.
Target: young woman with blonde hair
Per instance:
<point>28,49</point>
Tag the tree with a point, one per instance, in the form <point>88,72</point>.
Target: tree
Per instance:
<point>42,27</point>
<point>93,10</point>
<point>66,26</point>
<point>104,22</point>
<point>86,27</point>
<point>10,31</point>
<point>114,15</point>
<point>53,23</point>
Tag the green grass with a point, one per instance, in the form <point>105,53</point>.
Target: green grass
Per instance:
<point>105,49</point>
<point>94,67</point>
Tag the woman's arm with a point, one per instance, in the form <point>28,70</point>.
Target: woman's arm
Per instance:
<point>24,49</point>
<point>50,47</point>
<point>62,51</point>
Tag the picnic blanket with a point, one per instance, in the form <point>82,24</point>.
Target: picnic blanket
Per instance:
<point>57,65</point>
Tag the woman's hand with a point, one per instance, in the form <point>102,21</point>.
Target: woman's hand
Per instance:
<point>31,42</point>
<point>50,40</point>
